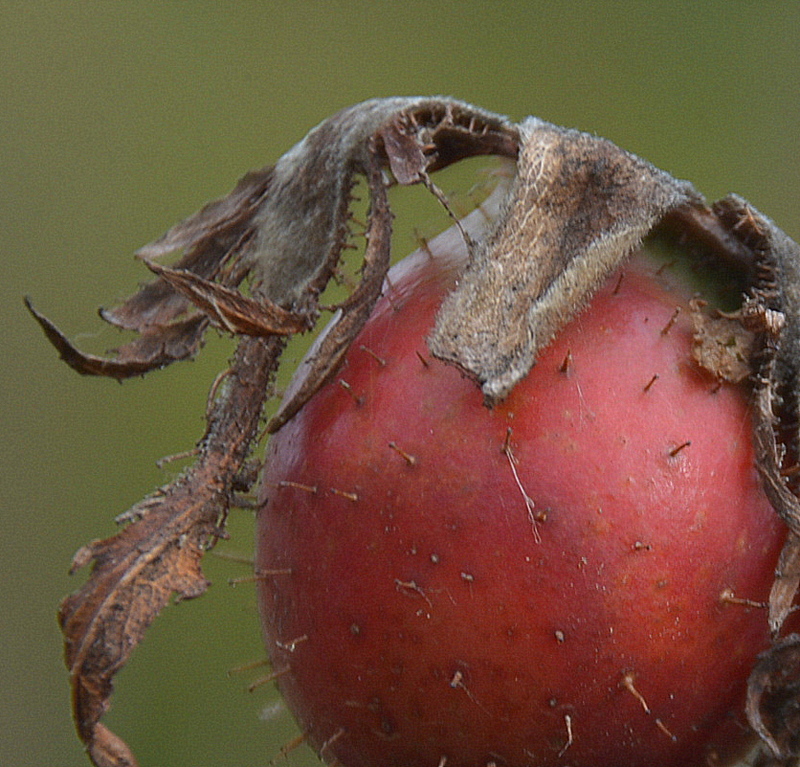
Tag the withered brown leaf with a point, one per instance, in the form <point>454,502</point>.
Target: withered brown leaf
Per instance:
<point>579,206</point>
<point>773,706</point>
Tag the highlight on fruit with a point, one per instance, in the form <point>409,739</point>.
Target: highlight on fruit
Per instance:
<point>531,497</point>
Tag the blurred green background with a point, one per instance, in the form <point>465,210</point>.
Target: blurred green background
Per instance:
<point>119,118</point>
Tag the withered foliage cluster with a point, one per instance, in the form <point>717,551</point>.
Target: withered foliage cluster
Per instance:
<point>576,208</point>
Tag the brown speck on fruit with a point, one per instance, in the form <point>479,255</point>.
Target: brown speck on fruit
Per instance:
<point>679,448</point>
<point>639,546</point>
<point>344,494</point>
<point>568,725</point>
<point>627,683</point>
<point>566,364</point>
<point>407,457</point>
<point>650,383</point>
<point>380,360</point>
<point>671,321</point>
<point>728,595</point>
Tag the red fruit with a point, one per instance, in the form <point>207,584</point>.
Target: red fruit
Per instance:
<point>544,583</point>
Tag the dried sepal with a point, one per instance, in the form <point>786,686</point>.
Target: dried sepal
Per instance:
<point>228,309</point>
<point>772,698</point>
<point>721,344</point>
<point>156,347</point>
<point>579,206</point>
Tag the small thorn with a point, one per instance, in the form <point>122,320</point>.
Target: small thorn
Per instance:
<point>291,646</point>
<point>507,441</point>
<point>666,265</point>
<point>568,723</point>
<point>566,364</point>
<point>266,680</point>
<point>627,683</point>
<point>672,320</point>
<point>344,494</point>
<point>262,575</point>
<point>330,741</point>
<point>243,502</point>
<point>534,515</point>
<point>248,666</point>
<point>162,462</point>
<point>423,360</point>
<point>242,579</point>
<point>298,486</point>
<point>239,559</point>
<point>676,450</point>
<point>287,748</point>
<point>212,392</point>
<point>730,597</point>
<point>413,587</point>
<point>661,726</point>
<point>650,383</point>
<point>407,457</point>
<point>349,389</point>
<point>618,285</point>
<point>380,360</point>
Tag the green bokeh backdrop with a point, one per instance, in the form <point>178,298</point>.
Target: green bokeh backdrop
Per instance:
<point>119,118</point>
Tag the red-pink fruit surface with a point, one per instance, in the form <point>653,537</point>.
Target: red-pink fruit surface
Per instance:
<point>538,584</point>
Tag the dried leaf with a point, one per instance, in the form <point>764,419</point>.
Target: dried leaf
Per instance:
<point>136,572</point>
<point>154,348</point>
<point>721,344</point>
<point>228,309</point>
<point>786,583</point>
<point>772,698</point>
<point>579,206</point>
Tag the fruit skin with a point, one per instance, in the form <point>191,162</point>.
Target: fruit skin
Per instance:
<point>416,609</point>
